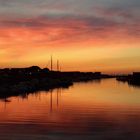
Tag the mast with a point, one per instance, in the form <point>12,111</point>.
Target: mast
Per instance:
<point>57,65</point>
<point>51,63</point>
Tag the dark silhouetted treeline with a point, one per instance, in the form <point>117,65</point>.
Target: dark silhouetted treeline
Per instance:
<point>132,79</point>
<point>15,81</point>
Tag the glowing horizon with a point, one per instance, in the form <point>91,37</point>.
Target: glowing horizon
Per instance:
<point>91,35</point>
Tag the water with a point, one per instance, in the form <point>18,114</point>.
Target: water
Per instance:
<point>104,109</point>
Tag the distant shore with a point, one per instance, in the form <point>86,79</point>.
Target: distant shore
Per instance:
<point>18,81</point>
<point>131,79</point>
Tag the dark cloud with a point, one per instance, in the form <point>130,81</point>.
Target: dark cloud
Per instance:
<point>37,7</point>
<point>61,22</point>
<point>20,23</point>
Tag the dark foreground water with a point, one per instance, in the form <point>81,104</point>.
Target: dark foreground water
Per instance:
<point>98,110</point>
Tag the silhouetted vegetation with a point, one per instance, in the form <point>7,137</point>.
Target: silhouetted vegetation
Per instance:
<point>132,79</point>
<point>17,81</point>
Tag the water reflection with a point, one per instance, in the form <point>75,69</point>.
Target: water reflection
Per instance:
<point>129,84</point>
<point>101,108</point>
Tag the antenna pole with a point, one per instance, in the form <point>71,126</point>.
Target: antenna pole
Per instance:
<point>51,63</point>
<point>57,65</point>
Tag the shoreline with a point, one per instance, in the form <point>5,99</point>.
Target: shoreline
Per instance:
<point>131,79</point>
<point>18,81</point>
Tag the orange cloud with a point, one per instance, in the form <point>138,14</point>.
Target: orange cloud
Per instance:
<point>75,40</point>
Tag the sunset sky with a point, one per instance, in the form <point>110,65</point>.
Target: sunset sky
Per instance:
<point>85,35</point>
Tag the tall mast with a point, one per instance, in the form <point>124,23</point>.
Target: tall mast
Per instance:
<point>57,65</point>
<point>51,63</point>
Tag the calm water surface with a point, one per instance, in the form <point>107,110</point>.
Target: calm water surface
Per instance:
<point>104,109</point>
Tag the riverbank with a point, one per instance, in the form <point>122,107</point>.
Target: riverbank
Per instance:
<point>18,81</point>
<point>131,79</point>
